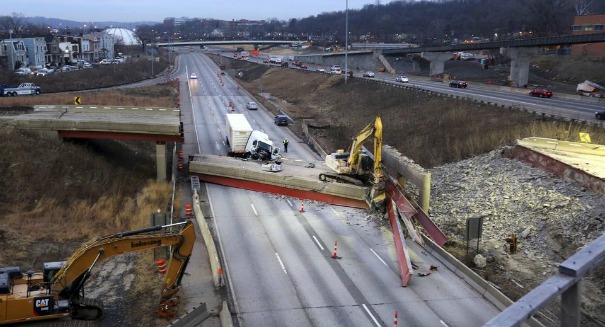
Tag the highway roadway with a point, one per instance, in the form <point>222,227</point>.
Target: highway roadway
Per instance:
<point>278,260</point>
<point>581,108</point>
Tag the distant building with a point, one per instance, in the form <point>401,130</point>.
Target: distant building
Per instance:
<point>15,52</point>
<point>588,24</point>
<point>36,50</point>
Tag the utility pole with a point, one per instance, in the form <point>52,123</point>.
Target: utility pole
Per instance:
<point>346,40</point>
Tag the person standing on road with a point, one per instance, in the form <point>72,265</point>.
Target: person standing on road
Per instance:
<point>286,145</point>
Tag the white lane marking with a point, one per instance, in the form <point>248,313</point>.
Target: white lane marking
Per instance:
<point>379,258</point>
<point>318,244</point>
<point>368,311</point>
<point>336,212</point>
<point>254,209</point>
<point>443,323</point>
<point>281,263</point>
<point>289,203</point>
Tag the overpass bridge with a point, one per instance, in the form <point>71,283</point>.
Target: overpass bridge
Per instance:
<point>155,124</point>
<point>519,51</point>
<point>236,42</point>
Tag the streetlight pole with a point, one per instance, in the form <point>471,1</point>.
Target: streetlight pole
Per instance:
<point>152,60</point>
<point>12,48</point>
<point>346,40</point>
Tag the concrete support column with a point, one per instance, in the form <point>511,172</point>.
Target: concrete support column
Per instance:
<point>437,60</point>
<point>161,160</point>
<point>519,65</point>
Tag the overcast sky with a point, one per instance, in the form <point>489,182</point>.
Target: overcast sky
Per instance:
<point>157,10</point>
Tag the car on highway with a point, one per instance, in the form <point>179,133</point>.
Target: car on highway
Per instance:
<point>600,115</point>
<point>458,84</point>
<point>251,105</point>
<point>303,66</point>
<point>266,61</point>
<point>369,74</point>
<point>402,79</point>
<point>541,92</point>
<point>321,70</point>
<point>193,76</point>
<point>281,120</point>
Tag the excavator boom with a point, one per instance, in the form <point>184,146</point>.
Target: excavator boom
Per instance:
<point>59,287</point>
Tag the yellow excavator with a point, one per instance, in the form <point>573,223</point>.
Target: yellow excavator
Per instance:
<point>58,291</point>
<point>356,166</point>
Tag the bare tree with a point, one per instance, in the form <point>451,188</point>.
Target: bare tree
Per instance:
<point>583,7</point>
<point>15,22</point>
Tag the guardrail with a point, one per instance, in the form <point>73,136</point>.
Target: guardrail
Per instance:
<point>565,284</point>
<point>540,110</point>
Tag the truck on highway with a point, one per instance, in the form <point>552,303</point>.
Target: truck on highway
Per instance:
<point>590,89</point>
<point>245,142</point>
<point>22,89</point>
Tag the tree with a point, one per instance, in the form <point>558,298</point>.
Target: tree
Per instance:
<point>583,7</point>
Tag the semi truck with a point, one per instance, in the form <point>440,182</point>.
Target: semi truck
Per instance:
<point>22,89</point>
<point>245,142</point>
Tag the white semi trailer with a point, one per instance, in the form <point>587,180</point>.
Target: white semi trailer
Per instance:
<point>245,142</point>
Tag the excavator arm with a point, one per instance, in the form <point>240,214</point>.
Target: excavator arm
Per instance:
<point>372,130</point>
<point>69,281</point>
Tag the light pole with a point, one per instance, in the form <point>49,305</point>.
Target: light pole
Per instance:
<point>12,48</point>
<point>346,40</point>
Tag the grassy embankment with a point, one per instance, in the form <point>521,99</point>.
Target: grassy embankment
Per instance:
<point>62,192</point>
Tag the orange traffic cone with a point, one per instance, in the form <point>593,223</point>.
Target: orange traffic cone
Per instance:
<point>335,255</point>
<point>302,206</point>
<point>395,322</point>
<point>161,266</point>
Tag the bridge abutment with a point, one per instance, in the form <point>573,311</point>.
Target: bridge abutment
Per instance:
<point>437,60</point>
<point>519,65</point>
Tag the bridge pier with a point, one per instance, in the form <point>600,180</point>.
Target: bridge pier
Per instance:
<point>161,160</point>
<point>519,65</point>
<point>437,60</point>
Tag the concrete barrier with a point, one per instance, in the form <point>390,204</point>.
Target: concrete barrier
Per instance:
<point>192,318</point>
<point>225,314</point>
<point>215,264</point>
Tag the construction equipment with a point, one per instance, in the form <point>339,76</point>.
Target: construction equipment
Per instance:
<point>356,166</point>
<point>58,291</point>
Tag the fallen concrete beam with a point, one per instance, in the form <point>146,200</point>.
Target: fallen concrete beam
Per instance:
<point>297,179</point>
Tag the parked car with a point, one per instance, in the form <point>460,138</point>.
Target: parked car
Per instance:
<point>44,71</point>
<point>458,84</point>
<point>251,105</point>
<point>67,68</point>
<point>285,64</point>
<point>541,92</point>
<point>106,62</point>
<point>281,120</point>
<point>23,71</point>
<point>193,76</point>
<point>600,115</point>
<point>402,79</point>
<point>369,74</point>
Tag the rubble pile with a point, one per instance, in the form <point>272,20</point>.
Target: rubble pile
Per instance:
<point>551,218</point>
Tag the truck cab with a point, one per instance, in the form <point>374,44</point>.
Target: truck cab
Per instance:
<point>261,147</point>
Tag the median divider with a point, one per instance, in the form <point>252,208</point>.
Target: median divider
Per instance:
<point>215,264</point>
